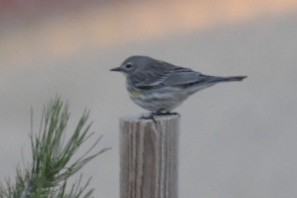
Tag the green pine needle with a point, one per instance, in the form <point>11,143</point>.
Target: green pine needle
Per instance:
<point>51,167</point>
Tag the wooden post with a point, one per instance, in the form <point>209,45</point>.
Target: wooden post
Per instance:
<point>149,157</point>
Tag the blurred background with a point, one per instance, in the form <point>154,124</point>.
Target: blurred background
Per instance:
<point>237,139</point>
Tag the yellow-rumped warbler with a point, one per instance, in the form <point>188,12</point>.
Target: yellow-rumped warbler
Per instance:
<point>159,87</point>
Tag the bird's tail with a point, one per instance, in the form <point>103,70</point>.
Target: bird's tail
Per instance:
<point>207,81</point>
<point>227,79</point>
<point>234,78</point>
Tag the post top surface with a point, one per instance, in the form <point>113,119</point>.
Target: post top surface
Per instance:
<point>137,118</point>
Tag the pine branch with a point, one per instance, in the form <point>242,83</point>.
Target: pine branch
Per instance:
<point>51,167</point>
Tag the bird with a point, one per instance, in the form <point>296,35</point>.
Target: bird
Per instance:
<point>159,87</point>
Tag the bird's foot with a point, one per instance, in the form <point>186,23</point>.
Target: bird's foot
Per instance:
<point>152,115</point>
<point>166,113</point>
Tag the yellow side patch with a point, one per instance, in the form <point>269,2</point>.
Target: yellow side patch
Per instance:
<point>135,94</point>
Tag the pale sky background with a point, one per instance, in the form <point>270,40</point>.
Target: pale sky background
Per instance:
<point>237,139</point>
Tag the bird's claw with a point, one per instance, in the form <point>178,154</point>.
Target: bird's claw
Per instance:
<point>152,115</point>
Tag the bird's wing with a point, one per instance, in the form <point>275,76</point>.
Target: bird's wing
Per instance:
<point>153,75</point>
<point>183,76</point>
<point>163,73</point>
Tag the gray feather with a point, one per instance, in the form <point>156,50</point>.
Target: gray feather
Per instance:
<point>183,76</point>
<point>152,74</point>
<point>156,73</point>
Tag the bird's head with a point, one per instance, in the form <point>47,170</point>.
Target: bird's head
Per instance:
<point>132,64</point>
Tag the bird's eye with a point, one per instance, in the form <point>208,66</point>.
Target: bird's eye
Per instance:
<point>128,66</point>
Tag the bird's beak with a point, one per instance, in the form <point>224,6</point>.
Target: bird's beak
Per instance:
<point>118,69</point>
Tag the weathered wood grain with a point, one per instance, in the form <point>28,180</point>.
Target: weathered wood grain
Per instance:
<point>149,157</point>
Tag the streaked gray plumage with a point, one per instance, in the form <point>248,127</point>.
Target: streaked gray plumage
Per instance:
<point>159,86</point>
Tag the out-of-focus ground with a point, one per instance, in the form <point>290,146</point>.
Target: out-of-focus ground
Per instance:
<point>237,139</point>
